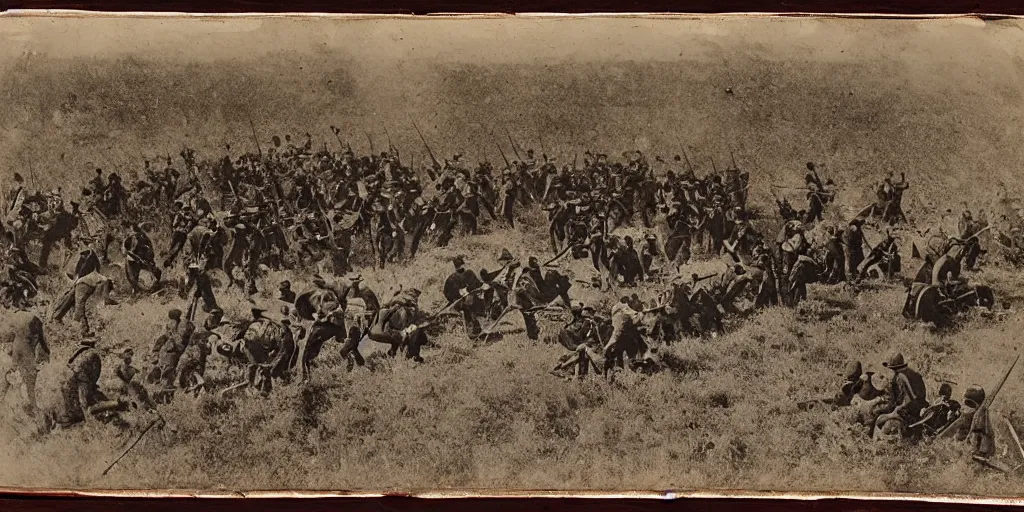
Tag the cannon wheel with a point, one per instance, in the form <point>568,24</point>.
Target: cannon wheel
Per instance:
<point>927,305</point>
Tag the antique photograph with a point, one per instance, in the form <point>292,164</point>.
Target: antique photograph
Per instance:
<point>511,254</point>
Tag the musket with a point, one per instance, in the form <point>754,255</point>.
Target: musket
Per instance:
<point>369,138</point>
<point>254,137</point>
<point>713,168</point>
<point>1013,433</point>
<point>687,158</point>
<point>514,150</point>
<point>952,427</point>
<point>429,152</point>
<point>143,434</point>
<point>335,131</point>
<point>391,147</point>
<point>540,138</point>
<point>733,160</point>
<point>559,255</point>
<point>503,157</point>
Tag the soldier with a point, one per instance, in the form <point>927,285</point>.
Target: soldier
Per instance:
<point>907,393</point>
<point>132,390</point>
<point>943,411</point>
<point>853,246</point>
<point>86,281</point>
<point>887,252</point>
<point>96,184</point>
<point>510,194</point>
<point>139,255</point>
<point>625,324</point>
<point>627,263</point>
<point>581,338</point>
<point>80,397</point>
<point>285,293</point>
<point>464,284</point>
<point>181,225</point>
<point>976,428</point>
<point>648,253</point>
<point>835,257</point>
<point>95,223</point>
<point>169,347</point>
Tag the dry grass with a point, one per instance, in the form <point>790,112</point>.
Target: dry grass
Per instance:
<point>490,416</point>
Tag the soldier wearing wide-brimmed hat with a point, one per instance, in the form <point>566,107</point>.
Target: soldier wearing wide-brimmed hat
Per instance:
<point>907,393</point>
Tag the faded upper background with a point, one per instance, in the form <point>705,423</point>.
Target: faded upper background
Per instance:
<point>935,98</point>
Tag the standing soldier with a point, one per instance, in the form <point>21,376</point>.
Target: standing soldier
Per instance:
<point>463,284</point>
<point>649,253</point>
<point>96,223</point>
<point>169,346</point>
<point>853,246</point>
<point>182,225</point>
<point>87,280</point>
<point>139,256</point>
<point>509,193</point>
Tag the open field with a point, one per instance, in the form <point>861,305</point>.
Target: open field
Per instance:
<point>864,98</point>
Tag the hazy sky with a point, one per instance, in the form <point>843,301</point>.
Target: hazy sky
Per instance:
<point>511,39</point>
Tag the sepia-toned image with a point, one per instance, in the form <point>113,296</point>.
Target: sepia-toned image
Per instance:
<point>512,254</point>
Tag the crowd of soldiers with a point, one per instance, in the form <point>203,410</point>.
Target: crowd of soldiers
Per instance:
<point>325,213</point>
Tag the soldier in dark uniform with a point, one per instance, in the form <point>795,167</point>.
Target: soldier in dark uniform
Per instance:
<point>942,411</point>
<point>182,224</point>
<point>80,397</point>
<point>627,263</point>
<point>648,253</point>
<point>510,193</point>
<point>285,293</point>
<point>853,246</point>
<point>976,428</point>
<point>169,346</point>
<point>907,393</point>
<point>139,256</point>
<point>464,283</point>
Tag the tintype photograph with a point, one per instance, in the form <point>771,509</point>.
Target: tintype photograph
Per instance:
<point>511,254</point>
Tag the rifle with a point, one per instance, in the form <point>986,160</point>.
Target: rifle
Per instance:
<point>336,131</point>
<point>149,427</point>
<point>369,138</point>
<point>429,152</point>
<point>688,164</point>
<point>503,157</point>
<point>952,427</point>
<point>713,168</point>
<point>391,147</point>
<point>733,160</point>
<point>254,137</point>
<point>514,150</point>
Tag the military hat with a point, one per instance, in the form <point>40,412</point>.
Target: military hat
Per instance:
<point>257,312</point>
<point>174,314</point>
<point>355,277</point>
<point>651,236</point>
<point>89,340</point>
<point>127,352</point>
<point>853,371</point>
<point>216,311</point>
<point>577,307</point>
<point>285,284</point>
<point>505,256</point>
<point>458,261</point>
<point>739,270</point>
<point>945,389</point>
<point>319,280</point>
<point>895,362</point>
<point>974,396</point>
